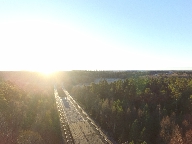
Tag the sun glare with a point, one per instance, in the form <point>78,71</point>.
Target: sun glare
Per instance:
<point>46,72</point>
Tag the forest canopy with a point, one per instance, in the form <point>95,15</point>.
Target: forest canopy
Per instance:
<point>28,112</point>
<point>135,107</point>
<point>141,109</point>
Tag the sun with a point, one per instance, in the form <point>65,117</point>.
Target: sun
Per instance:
<point>47,72</point>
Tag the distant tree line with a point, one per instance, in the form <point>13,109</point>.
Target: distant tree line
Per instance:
<point>141,109</point>
<point>81,77</point>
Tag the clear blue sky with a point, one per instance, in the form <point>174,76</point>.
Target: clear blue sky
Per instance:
<point>95,35</point>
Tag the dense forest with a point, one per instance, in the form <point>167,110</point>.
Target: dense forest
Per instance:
<point>138,107</point>
<point>141,109</point>
<point>28,112</point>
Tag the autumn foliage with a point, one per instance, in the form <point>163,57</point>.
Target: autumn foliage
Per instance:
<point>28,112</point>
<point>141,109</point>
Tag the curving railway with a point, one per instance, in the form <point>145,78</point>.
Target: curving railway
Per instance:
<point>76,126</point>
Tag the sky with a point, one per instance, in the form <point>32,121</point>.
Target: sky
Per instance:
<point>46,35</point>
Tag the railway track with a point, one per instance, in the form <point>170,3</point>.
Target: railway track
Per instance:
<point>76,125</point>
<point>66,133</point>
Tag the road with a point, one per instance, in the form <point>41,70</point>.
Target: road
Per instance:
<point>76,126</point>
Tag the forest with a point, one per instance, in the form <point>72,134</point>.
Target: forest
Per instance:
<point>141,109</point>
<point>28,112</point>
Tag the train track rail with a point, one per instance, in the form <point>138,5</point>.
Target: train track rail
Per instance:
<point>66,133</point>
<point>76,125</point>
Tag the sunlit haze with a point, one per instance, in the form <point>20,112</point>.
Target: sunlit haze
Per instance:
<point>95,35</point>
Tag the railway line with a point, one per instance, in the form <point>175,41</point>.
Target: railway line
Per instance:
<point>66,133</point>
<point>76,126</point>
